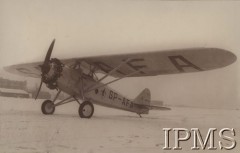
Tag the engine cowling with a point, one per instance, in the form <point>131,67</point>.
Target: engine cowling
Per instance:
<point>55,71</point>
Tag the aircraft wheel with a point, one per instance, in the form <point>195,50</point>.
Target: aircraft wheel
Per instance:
<point>86,110</point>
<point>48,107</point>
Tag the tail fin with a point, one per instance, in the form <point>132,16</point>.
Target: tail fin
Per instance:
<point>143,101</point>
<point>144,98</point>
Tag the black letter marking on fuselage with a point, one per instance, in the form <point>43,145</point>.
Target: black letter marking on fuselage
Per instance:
<point>179,66</point>
<point>127,103</point>
<point>113,95</point>
<point>110,95</point>
<point>136,67</point>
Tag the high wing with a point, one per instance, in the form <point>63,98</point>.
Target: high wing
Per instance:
<point>146,63</point>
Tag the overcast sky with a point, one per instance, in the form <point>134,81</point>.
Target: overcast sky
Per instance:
<point>90,28</point>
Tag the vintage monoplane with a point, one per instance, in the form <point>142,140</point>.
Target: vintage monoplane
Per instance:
<point>78,76</point>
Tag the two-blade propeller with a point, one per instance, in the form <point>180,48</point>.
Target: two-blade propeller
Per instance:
<point>45,67</point>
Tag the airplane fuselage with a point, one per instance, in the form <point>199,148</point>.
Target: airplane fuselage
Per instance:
<point>78,84</point>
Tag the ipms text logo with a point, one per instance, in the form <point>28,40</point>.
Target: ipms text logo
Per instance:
<point>226,135</point>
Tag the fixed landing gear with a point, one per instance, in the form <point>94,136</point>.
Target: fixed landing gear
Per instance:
<point>86,109</point>
<point>48,107</point>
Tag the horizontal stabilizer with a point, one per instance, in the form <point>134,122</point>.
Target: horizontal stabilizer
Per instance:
<point>158,107</point>
<point>152,107</point>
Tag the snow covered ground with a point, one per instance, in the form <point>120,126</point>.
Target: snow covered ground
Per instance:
<point>24,129</point>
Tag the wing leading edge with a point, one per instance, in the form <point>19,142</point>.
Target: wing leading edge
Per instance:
<point>147,63</point>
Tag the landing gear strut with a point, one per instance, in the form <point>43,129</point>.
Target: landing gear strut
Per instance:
<point>86,109</point>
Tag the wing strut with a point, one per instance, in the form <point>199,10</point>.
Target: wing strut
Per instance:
<point>114,70</point>
<point>109,73</point>
<point>91,89</point>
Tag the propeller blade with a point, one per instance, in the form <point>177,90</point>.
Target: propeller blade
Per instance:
<point>45,66</point>
<point>49,52</point>
<point>39,90</point>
